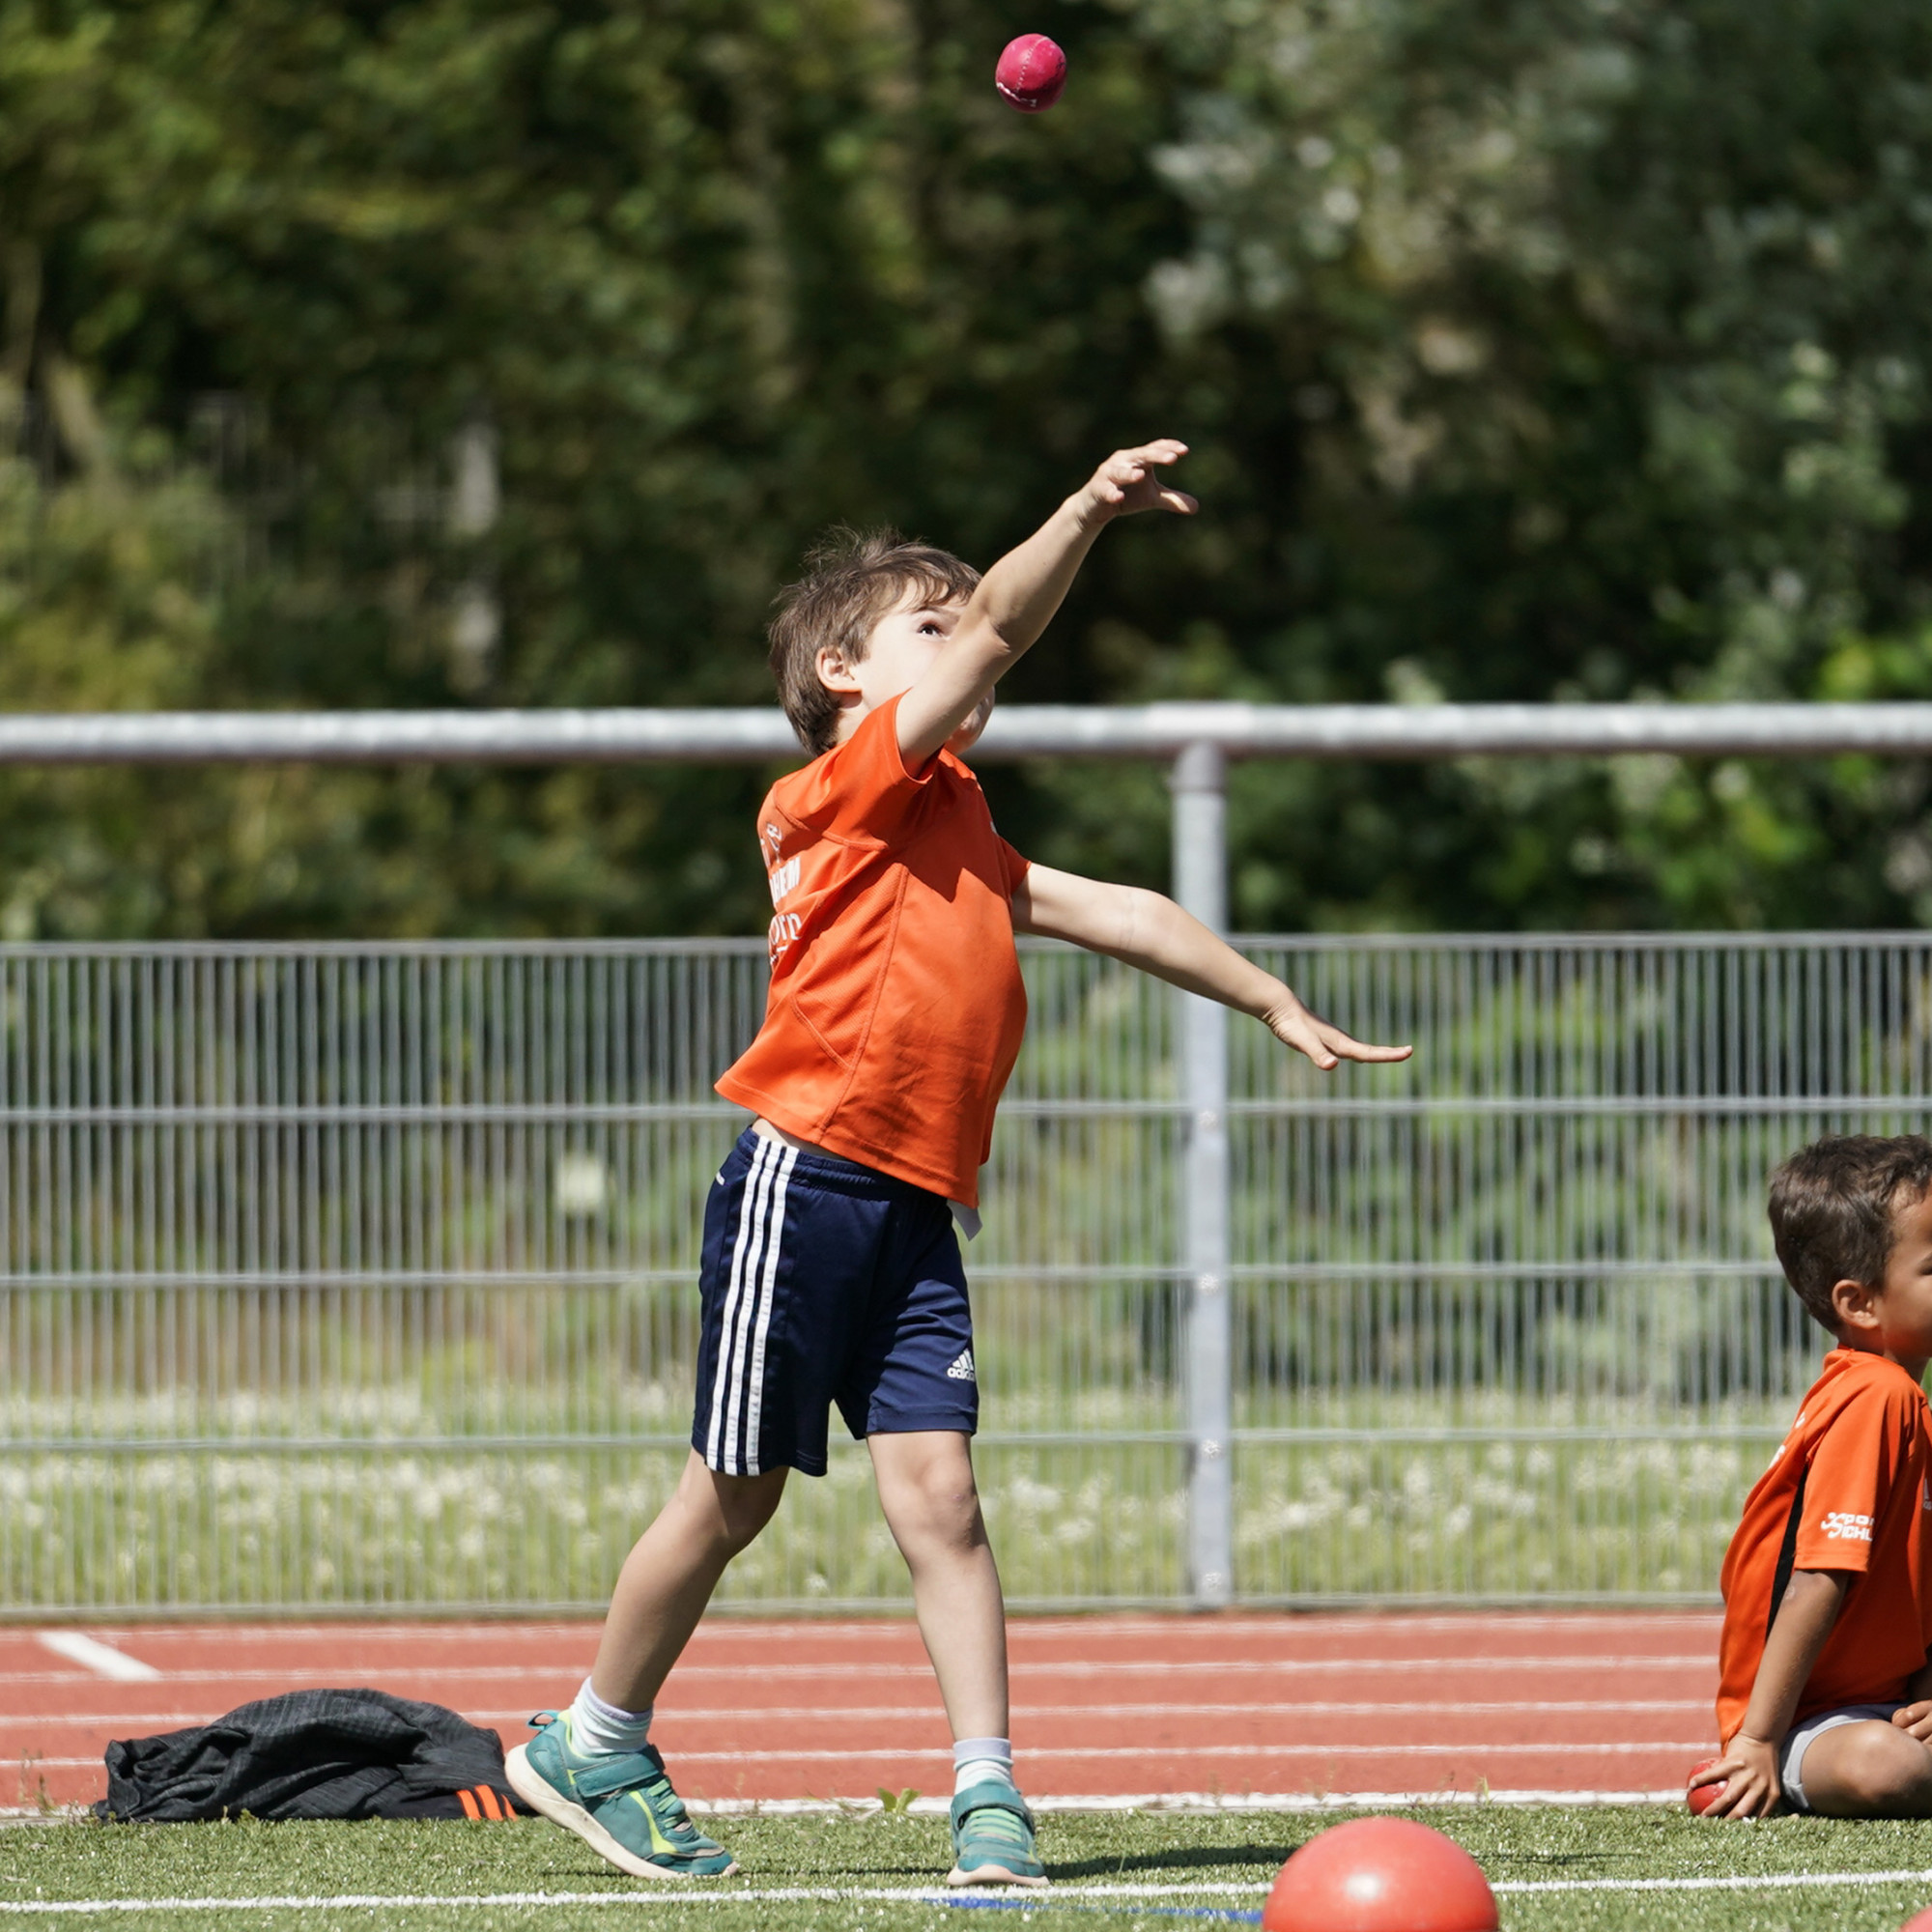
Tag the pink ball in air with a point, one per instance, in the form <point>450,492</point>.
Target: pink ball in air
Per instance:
<point>1030,74</point>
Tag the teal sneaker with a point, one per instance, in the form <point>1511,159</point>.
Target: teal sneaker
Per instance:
<point>992,1838</point>
<point>620,1804</point>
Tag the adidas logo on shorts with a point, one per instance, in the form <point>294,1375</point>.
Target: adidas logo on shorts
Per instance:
<point>961,1370</point>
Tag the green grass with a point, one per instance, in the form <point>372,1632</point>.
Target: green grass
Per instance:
<point>242,1861</point>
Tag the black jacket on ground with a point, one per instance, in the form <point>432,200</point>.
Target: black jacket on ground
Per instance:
<point>313,1755</point>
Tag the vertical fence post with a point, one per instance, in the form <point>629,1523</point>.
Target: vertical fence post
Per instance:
<point>1201,885</point>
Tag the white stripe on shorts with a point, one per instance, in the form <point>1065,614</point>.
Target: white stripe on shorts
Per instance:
<point>713,1441</point>
<point>760,1271</point>
<point>767,1294</point>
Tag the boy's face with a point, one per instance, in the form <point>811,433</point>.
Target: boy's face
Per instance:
<point>901,649</point>
<point>1895,1318</point>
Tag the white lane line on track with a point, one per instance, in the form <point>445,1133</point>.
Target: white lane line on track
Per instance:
<point>401,1673</point>
<point>431,1673</point>
<point>1216,1752</point>
<point>1062,1894</point>
<point>1206,1629</point>
<point>1104,1754</point>
<point>1183,1627</point>
<point>100,1660</point>
<point>1475,1752</point>
<point>1411,1707</point>
<point>1202,1803</point>
<point>671,1714</point>
<point>1733,1882</point>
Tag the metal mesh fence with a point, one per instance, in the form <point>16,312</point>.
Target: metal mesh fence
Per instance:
<point>363,1277</point>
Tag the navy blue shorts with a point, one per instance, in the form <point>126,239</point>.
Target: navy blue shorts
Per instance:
<point>824,1281</point>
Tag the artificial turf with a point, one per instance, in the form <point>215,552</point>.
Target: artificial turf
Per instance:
<point>92,1862</point>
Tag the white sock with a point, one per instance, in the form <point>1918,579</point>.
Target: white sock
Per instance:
<point>982,1761</point>
<point>600,1729</point>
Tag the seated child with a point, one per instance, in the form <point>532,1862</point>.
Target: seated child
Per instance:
<point>1828,1584</point>
<point>831,1274</point>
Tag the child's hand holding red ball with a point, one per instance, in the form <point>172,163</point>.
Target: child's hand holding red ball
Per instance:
<point>1743,1783</point>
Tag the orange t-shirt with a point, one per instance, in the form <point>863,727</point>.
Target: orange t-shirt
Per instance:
<point>1847,1489</point>
<point>895,1007</point>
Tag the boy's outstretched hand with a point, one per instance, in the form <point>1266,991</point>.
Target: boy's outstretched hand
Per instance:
<point>1294,1025</point>
<point>1129,480</point>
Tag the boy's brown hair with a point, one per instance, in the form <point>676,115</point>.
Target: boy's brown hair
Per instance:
<point>1832,1208</point>
<point>851,580</point>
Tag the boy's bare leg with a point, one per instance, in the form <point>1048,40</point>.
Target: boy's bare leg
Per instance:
<point>1868,1770</point>
<point>931,1505</point>
<point>669,1575</point>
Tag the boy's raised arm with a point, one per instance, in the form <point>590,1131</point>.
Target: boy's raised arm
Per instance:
<point>1018,597</point>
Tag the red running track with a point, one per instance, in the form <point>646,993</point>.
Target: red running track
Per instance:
<point>1228,1707</point>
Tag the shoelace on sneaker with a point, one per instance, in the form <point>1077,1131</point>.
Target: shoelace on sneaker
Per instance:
<point>663,1794</point>
<point>996,1821</point>
<point>673,1819</point>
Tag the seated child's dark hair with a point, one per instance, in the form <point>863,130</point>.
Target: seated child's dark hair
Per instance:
<point>1831,1207</point>
<point>850,582</point>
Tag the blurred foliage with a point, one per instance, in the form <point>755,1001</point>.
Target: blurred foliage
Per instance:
<point>1606,322</point>
<point>1526,348</point>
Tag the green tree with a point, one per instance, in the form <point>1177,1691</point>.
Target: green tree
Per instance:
<point>713,276</point>
<point>1526,351</point>
<point>1606,325</point>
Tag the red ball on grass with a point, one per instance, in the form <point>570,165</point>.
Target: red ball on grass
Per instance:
<point>1030,74</point>
<point>1380,1875</point>
<point>1700,1798</point>
<point>1919,1921</point>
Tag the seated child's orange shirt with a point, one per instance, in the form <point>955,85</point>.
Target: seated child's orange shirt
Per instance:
<point>895,1007</point>
<point>1847,1489</point>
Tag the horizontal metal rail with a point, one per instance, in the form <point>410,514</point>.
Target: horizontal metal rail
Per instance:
<point>1558,1106</point>
<point>324,1280</point>
<point>596,1113</point>
<point>1065,1439</point>
<point>506,1446</point>
<point>1631,1432</point>
<point>748,736</point>
<point>1311,1108</point>
<point>1526,945</point>
<point>1049,1274</point>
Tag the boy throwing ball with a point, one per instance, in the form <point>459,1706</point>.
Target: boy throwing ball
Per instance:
<point>831,1273</point>
<point>1828,1585</point>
